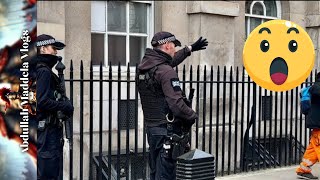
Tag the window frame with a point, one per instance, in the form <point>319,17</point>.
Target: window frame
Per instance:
<point>263,17</point>
<point>250,15</point>
<point>127,34</point>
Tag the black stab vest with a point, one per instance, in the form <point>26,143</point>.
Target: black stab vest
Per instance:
<point>155,107</point>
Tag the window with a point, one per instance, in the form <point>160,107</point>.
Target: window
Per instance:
<point>120,31</point>
<point>136,169</point>
<point>266,108</point>
<point>258,12</point>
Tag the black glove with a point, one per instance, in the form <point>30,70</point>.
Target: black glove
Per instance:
<point>187,124</point>
<point>200,44</point>
<point>68,108</point>
<point>187,101</point>
<point>190,122</point>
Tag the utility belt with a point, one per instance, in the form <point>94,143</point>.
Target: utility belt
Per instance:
<point>175,145</point>
<point>49,121</point>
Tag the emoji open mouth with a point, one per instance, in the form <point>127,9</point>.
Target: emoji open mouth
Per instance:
<point>278,71</point>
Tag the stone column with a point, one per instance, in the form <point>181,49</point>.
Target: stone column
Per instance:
<point>214,20</point>
<point>313,27</point>
<point>78,39</point>
<point>51,20</point>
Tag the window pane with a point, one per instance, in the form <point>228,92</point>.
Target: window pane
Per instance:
<point>98,16</point>
<point>137,49</point>
<point>248,3</point>
<point>117,49</point>
<point>254,22</point>
<point>97,48</point>
<point>117,16</point>
<point>271,8</point>
<point>138,17</point>
<point>257,9</point>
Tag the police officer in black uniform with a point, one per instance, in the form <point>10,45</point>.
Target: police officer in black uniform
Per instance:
<point>161,95</point>
<point>50,131</point>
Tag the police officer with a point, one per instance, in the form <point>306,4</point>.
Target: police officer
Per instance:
<point>50,131</point>
<point>160,93</point>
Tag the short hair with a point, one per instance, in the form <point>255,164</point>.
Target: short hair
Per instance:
<point>158,46</point>
<point>38,50</point>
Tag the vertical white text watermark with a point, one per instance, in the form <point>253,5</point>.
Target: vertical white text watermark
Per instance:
<point>24,84</point>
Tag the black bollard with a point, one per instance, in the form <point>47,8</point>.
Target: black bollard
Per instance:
<point>195,165</point>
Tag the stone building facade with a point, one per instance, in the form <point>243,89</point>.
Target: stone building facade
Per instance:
<point>108,32</point>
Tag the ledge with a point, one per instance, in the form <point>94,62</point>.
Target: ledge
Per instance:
<point>213,7</point>
<point>313,20</point>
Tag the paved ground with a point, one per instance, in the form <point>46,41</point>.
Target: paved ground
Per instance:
<point>287,173</point>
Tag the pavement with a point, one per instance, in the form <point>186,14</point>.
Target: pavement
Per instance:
<point>286,173</point>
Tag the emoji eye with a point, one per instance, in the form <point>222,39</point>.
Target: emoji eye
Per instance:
<point>264,46</point>
<point>293,46</point>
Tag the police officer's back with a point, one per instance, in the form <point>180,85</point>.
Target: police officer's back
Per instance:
<point>161,95</point>
<point>50,132</point>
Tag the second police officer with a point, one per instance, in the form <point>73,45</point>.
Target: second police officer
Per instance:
<point>50,132</point>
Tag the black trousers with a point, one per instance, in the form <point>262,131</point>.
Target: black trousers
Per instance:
<point>50,151</point>
<point>161,166</point>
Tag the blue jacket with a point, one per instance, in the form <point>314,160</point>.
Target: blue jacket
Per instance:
<point>313,117</point>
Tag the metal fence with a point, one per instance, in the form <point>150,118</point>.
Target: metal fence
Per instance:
<point>244,126</point>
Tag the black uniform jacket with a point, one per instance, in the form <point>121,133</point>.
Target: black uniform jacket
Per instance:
<point>46,84</point>
<point>168,78</point>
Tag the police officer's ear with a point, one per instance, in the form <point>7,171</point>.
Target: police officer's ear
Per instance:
<point>167,46</point>
<point>42,50</point>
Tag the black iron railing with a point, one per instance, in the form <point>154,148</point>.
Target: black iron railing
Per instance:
<point>244,126</point>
